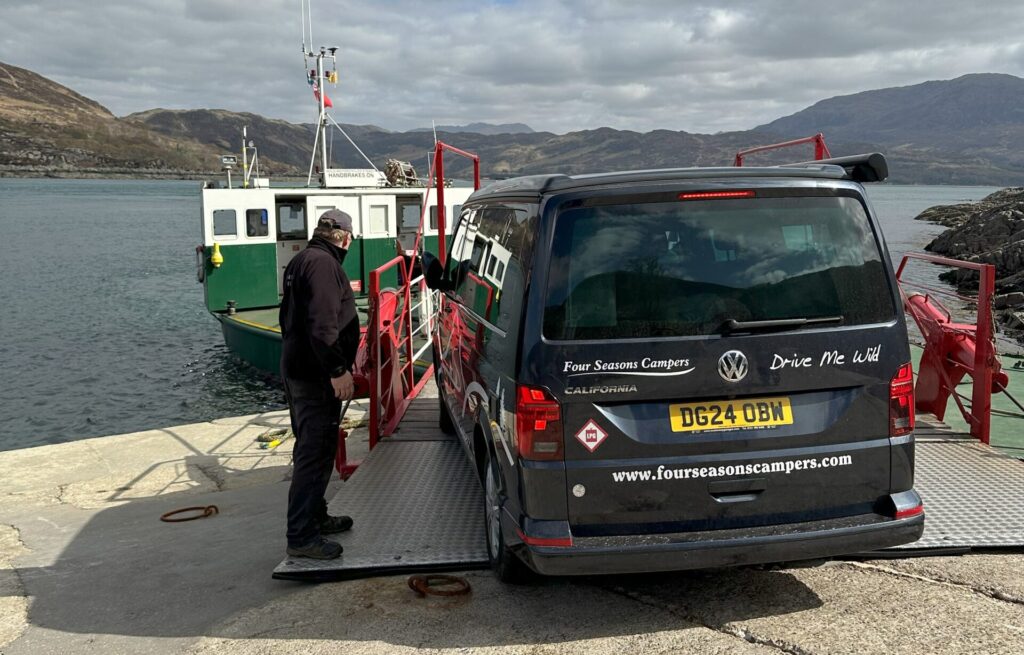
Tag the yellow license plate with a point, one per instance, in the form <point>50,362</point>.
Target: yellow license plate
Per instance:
<point>730,414</point>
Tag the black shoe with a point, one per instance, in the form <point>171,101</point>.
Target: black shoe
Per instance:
<point>334,524</point>
<point>319,549</point>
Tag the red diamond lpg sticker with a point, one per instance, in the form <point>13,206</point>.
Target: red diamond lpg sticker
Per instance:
<point>591,435</point>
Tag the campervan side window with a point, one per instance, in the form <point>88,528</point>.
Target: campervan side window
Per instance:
<point>257,223</point>
<point>224,223</point>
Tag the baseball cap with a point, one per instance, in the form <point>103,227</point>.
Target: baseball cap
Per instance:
<point>336,219</point>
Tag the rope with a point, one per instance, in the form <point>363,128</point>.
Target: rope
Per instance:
<point>203,512</point>
<point>439,585</point>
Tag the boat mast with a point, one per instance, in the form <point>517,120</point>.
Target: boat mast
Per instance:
<point>323,115</point>
<point>317,77</point>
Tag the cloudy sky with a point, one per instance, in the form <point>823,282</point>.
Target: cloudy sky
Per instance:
<point>557,65</point>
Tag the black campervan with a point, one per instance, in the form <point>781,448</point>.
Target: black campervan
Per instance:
<point>673,369</point>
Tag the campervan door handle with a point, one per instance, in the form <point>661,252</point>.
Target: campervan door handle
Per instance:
<point>737,491</point>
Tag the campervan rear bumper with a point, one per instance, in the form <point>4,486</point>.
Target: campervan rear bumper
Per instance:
<point>673,552</point>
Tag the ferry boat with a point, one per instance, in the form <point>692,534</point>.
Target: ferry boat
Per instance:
<point>250,231</point>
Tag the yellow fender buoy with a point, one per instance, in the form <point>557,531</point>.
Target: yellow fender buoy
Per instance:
<point>216,258</point>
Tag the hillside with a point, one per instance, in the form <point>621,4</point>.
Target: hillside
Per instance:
<point>964,131</point>
<point>502,155</point>
<point>480,128</point>
<point>586,151</point>
<point>48,129</point>
<point>977,117</point>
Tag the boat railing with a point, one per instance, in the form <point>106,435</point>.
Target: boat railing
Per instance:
<point>820,149</point>
<point>398,339</point>
<point>955,349</point>
<point>391,367</point>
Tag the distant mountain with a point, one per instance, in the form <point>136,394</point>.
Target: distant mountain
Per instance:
<point>964,131</point>
<point>587,151</point>
<point>279,142</point>
<point>48,129</point>
<point>970,119</point>
<point>480,128</point>
<point>501,155</point>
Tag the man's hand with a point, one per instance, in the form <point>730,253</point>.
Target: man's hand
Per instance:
<point>343,386</point>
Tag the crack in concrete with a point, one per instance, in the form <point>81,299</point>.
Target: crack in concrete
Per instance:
<point>17,535</point>
<point>729,629</point>
<point>7,563</point>
<point>99,457</point>
<point>989,592</point>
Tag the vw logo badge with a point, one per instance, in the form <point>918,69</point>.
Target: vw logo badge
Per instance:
<point>732,366</point>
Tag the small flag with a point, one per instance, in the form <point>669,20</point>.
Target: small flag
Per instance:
<point>316,94</point>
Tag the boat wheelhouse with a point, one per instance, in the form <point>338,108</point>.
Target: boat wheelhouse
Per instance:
<point>250,232</point>
<point>250,235</point>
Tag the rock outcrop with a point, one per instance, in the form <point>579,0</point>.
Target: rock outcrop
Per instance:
<point>990,231</point>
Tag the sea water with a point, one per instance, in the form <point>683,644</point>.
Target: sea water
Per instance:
<point>102,324</point>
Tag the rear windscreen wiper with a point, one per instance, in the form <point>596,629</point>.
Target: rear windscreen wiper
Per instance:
<point>732,325</point>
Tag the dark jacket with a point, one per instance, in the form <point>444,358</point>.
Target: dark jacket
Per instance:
<point>319,323</point>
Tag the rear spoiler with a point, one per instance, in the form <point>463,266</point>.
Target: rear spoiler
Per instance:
<point>869,167</point>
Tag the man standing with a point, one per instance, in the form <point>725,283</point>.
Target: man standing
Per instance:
<point>319,339</point>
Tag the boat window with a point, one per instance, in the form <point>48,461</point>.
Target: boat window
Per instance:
<point>410,216</point>
<point>291,221</point>
<point>224,223</point>
<point>379,219</point>
<point>448,217</point>
<point>685,268</point>
<point>256,223</point>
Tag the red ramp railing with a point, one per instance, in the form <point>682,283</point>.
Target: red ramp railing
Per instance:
<point>954,350</point>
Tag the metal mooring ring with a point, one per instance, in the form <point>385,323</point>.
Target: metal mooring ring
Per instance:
<point>425,585</point>
<point>208,510</point>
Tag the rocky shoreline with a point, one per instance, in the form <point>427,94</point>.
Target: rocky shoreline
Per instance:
<point>990,231</point>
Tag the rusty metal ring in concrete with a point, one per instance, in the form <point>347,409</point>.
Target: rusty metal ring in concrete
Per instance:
<point>439,585</point>
<point>202,512</point>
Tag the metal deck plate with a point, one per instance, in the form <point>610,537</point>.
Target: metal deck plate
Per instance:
<point>973,496</point>
<point>417,506</point>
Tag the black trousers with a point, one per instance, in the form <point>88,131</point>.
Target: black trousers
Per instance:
<point>315,415</point>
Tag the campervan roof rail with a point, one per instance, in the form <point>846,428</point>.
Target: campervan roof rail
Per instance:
<point>867,167</point>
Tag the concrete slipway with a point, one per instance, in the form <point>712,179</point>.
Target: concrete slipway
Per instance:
<point>87,567</point>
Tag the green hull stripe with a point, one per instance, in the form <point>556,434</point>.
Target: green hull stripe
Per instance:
<point>248,276</point>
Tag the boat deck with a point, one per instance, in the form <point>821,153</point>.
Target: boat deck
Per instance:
<point>417,503</point>
<point>262,319</point>
<point>266,318</point>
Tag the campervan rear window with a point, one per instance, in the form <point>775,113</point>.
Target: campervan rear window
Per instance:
<point>684,268</point>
